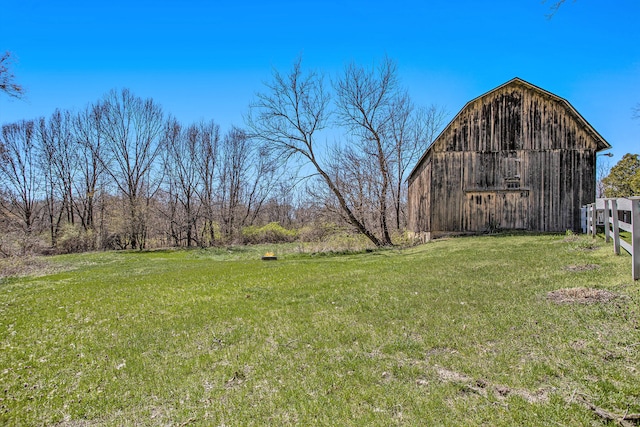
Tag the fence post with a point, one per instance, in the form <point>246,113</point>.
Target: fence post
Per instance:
<point>607,204</point>
<point>616,228</point>
<point>592,218</point>
<point>635,236</point>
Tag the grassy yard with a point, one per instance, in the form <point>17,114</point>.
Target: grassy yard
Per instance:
<point>455,332</point>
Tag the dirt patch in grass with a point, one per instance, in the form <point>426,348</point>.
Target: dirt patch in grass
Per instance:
<point>581,296</point>
<point>77,423</point>
<point>582,267</point>
<point>446,375</point>
<point>486,388</point>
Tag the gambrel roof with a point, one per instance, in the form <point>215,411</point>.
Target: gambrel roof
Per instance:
<point>600,142</point>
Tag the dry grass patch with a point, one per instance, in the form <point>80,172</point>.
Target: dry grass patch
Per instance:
<point>571,238</point>
<point>582,267</point>
<point>486,388</point>
<point>25,266</point>
<point>581,296</point>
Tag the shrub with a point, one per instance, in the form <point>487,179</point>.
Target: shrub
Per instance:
<point>74,239</point>
<point>402,238</point>
<point>319,232</point>
<point>269,233</point>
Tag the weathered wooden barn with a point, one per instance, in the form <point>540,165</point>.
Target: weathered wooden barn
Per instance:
<point>517,157</point>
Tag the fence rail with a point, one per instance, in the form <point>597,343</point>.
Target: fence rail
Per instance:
<point>615,215</point>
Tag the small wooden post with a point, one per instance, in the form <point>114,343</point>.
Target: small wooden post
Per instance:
<point>592,218</point>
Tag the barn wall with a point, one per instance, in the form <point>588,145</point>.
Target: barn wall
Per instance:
<point>515,158</point>
<point>419,200</point>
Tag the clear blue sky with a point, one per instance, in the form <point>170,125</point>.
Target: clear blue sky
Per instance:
<point>206,59</point>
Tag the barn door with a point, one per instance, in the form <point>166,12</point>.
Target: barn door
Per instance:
<point>487,211</point>
<point>480,211</point>
<point>512,209</point>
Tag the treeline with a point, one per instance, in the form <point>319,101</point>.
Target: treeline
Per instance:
<point>123,174</point>
<point>120,174</point>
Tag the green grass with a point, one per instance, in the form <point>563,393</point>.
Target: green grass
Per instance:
<point>455,332</point>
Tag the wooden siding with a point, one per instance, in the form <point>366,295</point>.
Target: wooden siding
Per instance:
<point>516,158</point>
<point>514,118</point>
<point>419,206</point>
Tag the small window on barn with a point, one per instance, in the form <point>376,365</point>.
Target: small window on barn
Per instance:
<point>513,183</point>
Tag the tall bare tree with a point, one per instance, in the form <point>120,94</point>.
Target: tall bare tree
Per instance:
<point>19,172</point>
<point>248,177</point>
<point>287,118</point>
<point>207,163</point>
<point>387,135</point>
<point>263,178</point>
<point>180,160</point>
<point>366,100</point>
<point>58,157</point>
<point>380,136</point>
<point>90,146</point>
<point>235,152</point>
<point>132,129</point>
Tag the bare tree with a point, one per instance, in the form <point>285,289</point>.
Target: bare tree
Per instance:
<point>358,178</point>
<point>180,160</point>
<point>247,178</point>
<point>602,171</point>
<point>19,173</point>
<point>58,157</point>
<point>412,130</point>
<point>280,206</point>
<point>7,79</point>
<point>132,129</point>
<point>169,198</point>
<point>235,155</point>
<point>207,143</point>
<point>382,137</point>
<point>366,101</point>
<point>287,119</point>
<point>90,146</point>
<point>384,126</point>
<point>261,182</point>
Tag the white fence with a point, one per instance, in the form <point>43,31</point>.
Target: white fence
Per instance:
<point>616,215</point>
